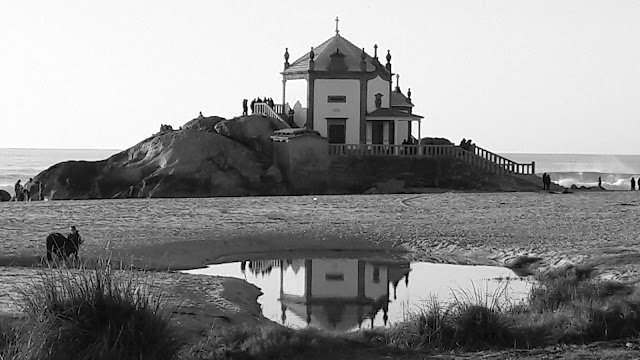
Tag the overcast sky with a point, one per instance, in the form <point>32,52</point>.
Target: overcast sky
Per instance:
<point>539,76</point>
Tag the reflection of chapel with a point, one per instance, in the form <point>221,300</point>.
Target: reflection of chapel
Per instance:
<point>339,294</point>
<point>350,98</point>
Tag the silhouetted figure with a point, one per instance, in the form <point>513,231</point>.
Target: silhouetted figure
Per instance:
<point>18,189</point>
<point>40,190</point>
<point>633,183</point>
<point>463,143</point>
<point>200,115</point>
<point>290,117</point>
<point>600,183</point>
<point>245,110</point>
<point>253,106</point>
<point>544,181</point>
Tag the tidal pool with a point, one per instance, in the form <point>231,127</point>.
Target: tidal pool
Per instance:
<point>348,293</point>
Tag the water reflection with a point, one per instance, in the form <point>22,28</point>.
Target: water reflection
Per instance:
<point>342,294</point>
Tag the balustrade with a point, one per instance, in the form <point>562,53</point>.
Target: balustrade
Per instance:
<point>476,156</point>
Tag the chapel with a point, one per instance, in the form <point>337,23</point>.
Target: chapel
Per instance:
<point>350,98</point>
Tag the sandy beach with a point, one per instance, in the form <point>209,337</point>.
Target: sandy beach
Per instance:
<point>462,228</point>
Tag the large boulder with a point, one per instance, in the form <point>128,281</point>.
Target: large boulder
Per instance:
<point>253,131</point>
<point>169,164</point>
<point>4,196</point>
<point>204,123</point>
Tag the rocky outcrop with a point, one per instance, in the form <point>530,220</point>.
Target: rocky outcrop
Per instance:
<point>4,196</point>
<point>253,131</point>
<point>203,123</point>
<point>212,156</point>
<point>182,163</point>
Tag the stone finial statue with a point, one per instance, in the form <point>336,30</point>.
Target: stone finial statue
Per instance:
<point>286,58</point>
<point>409,94</point>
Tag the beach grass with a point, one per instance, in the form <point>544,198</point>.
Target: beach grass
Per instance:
<point>81,313</point>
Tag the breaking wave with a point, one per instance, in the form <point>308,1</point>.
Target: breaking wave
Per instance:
<point>610,181</point>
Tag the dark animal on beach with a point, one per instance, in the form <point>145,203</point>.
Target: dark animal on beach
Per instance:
<point>63,246</point>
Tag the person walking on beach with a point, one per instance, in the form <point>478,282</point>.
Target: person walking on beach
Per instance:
<point>600,183</point>
<point>633,183</point>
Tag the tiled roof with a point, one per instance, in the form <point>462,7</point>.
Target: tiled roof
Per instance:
<point>398,99</point>
<point>384,112</point>
<point>322,60</point>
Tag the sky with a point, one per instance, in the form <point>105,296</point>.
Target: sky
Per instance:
<point>529,76</point>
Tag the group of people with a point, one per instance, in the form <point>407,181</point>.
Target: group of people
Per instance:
<point>467,145</point>
<point>25,192</point>
<point>546,181</point>
<point>245,108</point>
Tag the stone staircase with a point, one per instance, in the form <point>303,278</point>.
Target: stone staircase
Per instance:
<point>266,110</point>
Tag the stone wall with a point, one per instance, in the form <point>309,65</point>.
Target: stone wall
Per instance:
<point>357,174</point>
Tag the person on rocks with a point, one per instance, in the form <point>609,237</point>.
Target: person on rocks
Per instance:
<point>633,183</point>
<point>544,181</point>
<point>290,117</point>
<point>245,110</point>
<point>253,106</point>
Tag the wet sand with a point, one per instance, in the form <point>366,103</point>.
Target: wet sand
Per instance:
<point>463,228</point>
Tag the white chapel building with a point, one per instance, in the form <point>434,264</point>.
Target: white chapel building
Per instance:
<point>349,97</point>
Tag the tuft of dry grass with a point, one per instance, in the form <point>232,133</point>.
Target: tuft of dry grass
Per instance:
<point>98,313</point>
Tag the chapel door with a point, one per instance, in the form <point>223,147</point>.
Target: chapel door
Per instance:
<point>336,131</point>
<point>377,132</point>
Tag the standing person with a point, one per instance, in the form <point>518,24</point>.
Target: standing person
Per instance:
<point>253,106</point>
<point>544,181</point>
<point>27,189</point>
<point>290,117</point>
<point>40,190</point>
<point>245,110</point>
<point>633,183</point>
<point>18,189</point>
<point>600,183</point>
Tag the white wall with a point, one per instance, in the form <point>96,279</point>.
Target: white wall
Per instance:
<point>349,110</point>
<point>347,288</point>
<point>375,290</point>
<point>374,86</point>
<point>401,131</point>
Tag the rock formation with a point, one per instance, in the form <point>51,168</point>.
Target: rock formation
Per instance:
<point>4,196</point>
<point>192,162</point>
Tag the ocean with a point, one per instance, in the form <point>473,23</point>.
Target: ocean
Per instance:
<point>616,171</point>
<point>26,163</point>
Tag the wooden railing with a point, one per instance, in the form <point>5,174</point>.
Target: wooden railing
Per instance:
<point>475,156</point>
<point>266,110</point>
